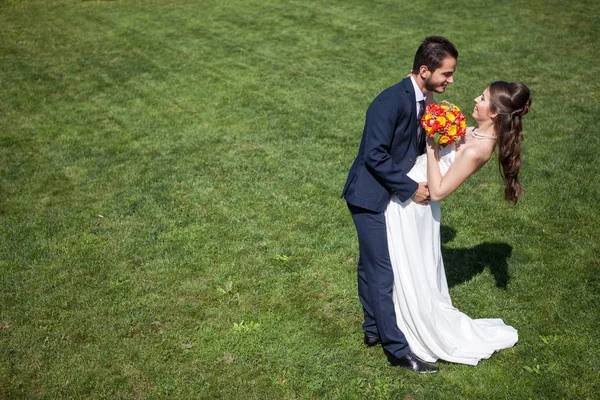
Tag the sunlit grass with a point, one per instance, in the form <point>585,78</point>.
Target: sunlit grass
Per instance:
<point>170,221</point>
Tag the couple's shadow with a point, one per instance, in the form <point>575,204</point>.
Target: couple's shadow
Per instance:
<point>463,264</point>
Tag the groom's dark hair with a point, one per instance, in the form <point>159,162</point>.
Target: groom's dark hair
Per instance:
<point>432,52</point>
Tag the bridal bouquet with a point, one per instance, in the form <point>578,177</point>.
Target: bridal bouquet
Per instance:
<point>444,122</point>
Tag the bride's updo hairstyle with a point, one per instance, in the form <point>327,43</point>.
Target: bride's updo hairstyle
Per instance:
<point>510,101</point>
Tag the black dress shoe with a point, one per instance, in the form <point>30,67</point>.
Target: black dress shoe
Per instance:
<point>371,341</point>
<point>413,363</point>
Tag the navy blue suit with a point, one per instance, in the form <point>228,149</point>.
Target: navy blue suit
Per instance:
<point>388,150</point>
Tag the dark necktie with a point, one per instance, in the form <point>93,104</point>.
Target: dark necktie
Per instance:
<point>420,130</point>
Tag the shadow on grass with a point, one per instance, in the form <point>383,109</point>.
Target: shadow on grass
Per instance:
<point>463,264</point>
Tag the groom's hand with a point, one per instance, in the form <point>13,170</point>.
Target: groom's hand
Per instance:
<point>422,194</point>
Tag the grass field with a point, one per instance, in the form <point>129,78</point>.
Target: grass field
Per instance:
<point>170,220</point>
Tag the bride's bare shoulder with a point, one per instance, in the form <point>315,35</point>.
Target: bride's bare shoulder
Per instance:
<point>475,152</point>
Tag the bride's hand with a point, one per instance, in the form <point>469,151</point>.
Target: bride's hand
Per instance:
<point>432,144</point>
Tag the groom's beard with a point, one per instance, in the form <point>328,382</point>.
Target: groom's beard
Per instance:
<point>431,86</point>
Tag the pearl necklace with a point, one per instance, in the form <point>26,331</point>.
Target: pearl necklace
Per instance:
<point>478,135</point>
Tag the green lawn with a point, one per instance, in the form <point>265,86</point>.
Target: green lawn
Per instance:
<point>170,221</point>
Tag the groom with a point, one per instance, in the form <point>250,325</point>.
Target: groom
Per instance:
<point>388,150</point>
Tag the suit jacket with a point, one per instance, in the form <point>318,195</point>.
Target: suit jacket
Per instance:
<point>388,150</point>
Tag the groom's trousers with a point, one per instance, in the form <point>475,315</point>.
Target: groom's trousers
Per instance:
<point>376,281</point>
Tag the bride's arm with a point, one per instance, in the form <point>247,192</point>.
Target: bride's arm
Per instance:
<point>465,164</point>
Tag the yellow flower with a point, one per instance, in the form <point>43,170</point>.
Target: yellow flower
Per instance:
<point>452,130</point>
<point>450,116</point>
<point>444,107</point>
<point>428,129</point>
<point>444,139</point>
<point>441,120</point>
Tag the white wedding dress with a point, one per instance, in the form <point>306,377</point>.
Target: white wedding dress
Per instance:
<point>433,327</point>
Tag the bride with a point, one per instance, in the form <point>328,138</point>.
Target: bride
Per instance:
<point>424,312</point>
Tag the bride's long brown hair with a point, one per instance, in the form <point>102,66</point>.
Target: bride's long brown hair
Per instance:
<point>510,100</point>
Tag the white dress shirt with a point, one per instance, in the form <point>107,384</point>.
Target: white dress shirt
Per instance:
<point>419,96</point>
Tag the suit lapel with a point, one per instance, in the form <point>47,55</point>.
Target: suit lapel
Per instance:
<point>410,95</point>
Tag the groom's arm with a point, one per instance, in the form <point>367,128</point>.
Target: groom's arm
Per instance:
<point>386,115</point>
